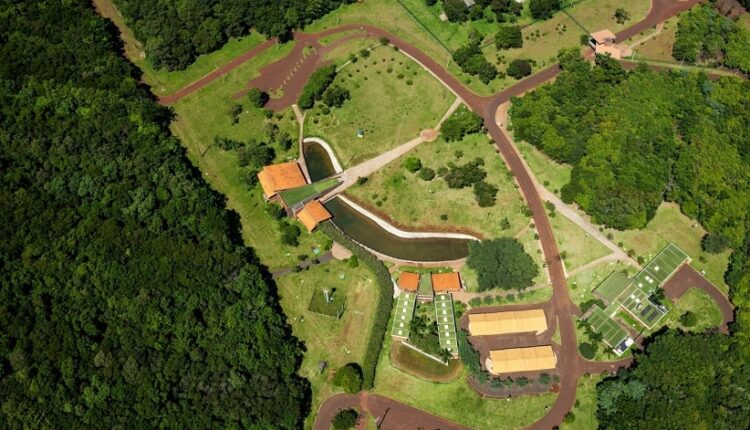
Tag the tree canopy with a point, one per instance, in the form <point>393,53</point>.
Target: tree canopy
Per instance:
<point>501,263</point>
<point>637,138</point>
<point>176,33</point>
<point>127,298</point>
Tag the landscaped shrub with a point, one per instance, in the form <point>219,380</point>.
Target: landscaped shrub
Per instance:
<point>289,233</point>
<point>689,319</point>
<point>509,36</point>
<point>545,379</point>
<point>349,377</point>
<point>501,263</point>
<point>257,97</point>
<point>275,210</point>
<point>335,96</point>
<point>426,174</point>
<point>469,356</point>
<point>455,10</point>
<point>382,311</point>
<point>345,419</point>
<point>465,175</point>
<point>413,164</point>
<point>316,86</point>
<point>472,61</point>
<point>543,9</point>
<point>587,350</point>
<point>519,69</point>
<point>424,335</point>
<point>462,122</point>
<point>475,302</point>
<point>714,243</point>
<point>485,194</point>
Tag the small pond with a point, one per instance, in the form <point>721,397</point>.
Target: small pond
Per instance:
<point>319,164</point>
<point>370,234</point>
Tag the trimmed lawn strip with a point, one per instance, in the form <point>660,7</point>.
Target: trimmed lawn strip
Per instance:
<point>585,405</point>
<point>456,401</point>
<point>336,341</point>
<point>296,195</point>
<point>416,204</point>
<point>579,247</point>
<point>389,109</point>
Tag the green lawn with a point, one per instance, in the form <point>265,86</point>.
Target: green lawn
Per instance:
<point>391,111</point>
<point>457,402</point>
<point>336,341</point>
<point>698,302</point>
<point>585,405</point>
<point>577,246</point>
<point>552,175</point>
<point>204,115</point>
<point>296,195</point>
<point>660,46</point>
<point>418,205</point>
<point>595,15</point>
<point>670,225</point>
<point>423,367</point>
<point>163,82</point>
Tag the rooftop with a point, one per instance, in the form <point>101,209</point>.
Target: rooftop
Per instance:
<point>408,281</point>
<point>279,177</point>
<point>495,323</point>
<point>313,214</point>
<point>446,282</point>
<point>522,359</point>
<point>603,36</point>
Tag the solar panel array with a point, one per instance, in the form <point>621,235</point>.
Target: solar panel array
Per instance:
<point>404,313</point>
<point>446,322</point>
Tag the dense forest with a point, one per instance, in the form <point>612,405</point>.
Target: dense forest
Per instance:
<point>635,139</point>
<point>176,33</point>
<point>704,35</point>
<point>127,299</point>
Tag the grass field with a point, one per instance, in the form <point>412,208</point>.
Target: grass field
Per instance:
<point>660,46</point>
<point>456,401</point>
<point>552,175</point>
<point>421,366</point>
<point>390,110</point>
<point>164,82</point>
<point>698,302</point>
<point>670,225</point>
<point>595,15</point>
<point>585,405</point>
<point>336,341</point>
<point>417,204</point>
<point>584,282</point>
<point>578,247</point>
<point>204,115</point>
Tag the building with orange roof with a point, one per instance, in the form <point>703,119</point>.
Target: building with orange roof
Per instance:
<point>603,36</point>
<point>280,177</point>
<point>521,360</point>
<point>408,281</point>
<point>313,214</point>
<point>446,282</point>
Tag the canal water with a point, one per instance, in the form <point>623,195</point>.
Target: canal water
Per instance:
<point>319,164</point>
<point>365,231</point>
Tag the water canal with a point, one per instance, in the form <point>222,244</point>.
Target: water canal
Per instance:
<point>319,164</point>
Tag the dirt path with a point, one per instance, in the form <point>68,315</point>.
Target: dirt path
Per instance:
<point>685,278</point>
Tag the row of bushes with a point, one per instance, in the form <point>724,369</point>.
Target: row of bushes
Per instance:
<point>316,86</point>
<point>384,303</point>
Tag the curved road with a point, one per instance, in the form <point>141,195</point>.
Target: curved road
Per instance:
<point>292,73</point>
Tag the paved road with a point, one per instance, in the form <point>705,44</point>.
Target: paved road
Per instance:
<point>687,277</point>
<point>293,72</point>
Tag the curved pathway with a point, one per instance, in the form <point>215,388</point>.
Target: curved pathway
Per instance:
<point>687,277</point>
<point>293,72</point>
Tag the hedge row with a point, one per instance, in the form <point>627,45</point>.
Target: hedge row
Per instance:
<point>384,301</point>
<point>316,86</point>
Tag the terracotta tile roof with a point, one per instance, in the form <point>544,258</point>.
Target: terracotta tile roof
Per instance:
<point>522,359</point>
<point>494,323</point>
<point>313,214</point>
<point>280,177</point>
<point>603,36</point>
<point>615,51</point>
<point>446,282</point>
<point>408,281</point>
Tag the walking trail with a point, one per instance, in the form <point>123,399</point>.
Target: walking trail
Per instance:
<point>290,74</point>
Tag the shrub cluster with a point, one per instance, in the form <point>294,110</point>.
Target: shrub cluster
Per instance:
<point>462,122</point>
<point>472,61</point>
<point>316,86</point>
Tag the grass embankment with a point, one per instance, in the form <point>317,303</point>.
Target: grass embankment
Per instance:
<point>335,341</point>
<point>423,367</point>
<point>457,402</point>
<point>416,204</point>
<point>205,114</point>
<point>392,100</point>
<point>163,82</point>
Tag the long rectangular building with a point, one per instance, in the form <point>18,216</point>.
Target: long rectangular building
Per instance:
<point>522,359</point>
<point>532,320</point>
